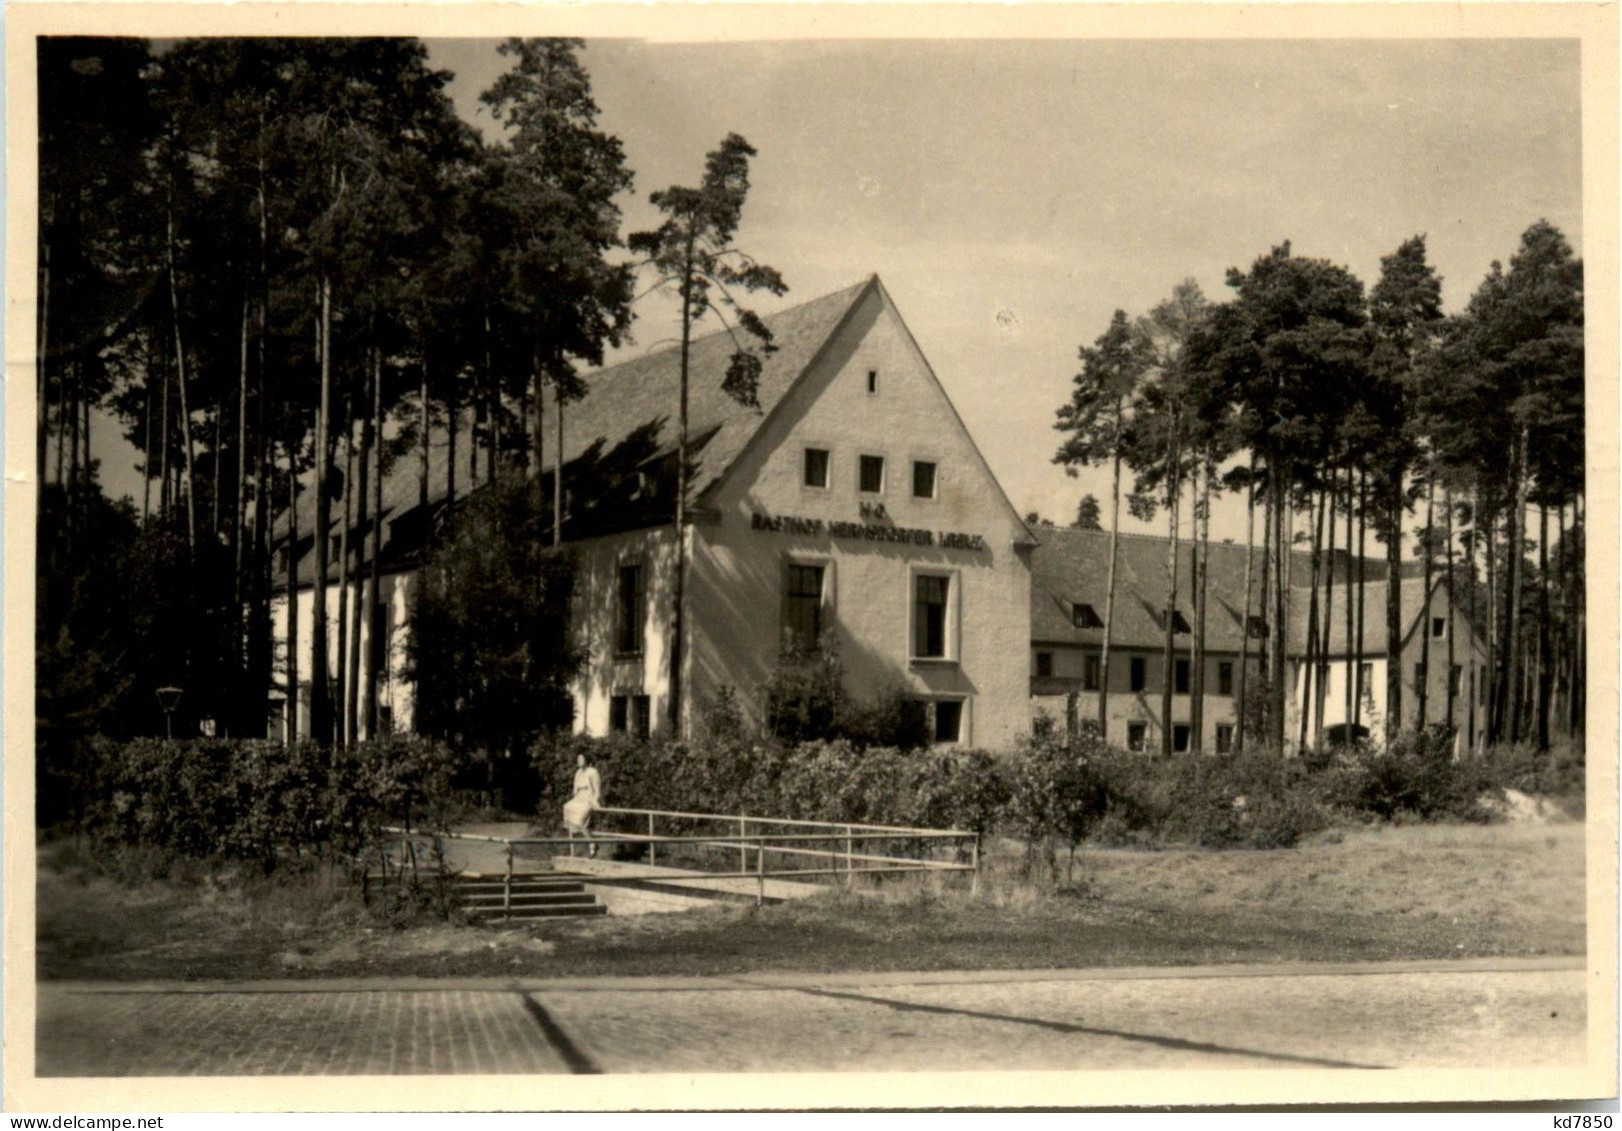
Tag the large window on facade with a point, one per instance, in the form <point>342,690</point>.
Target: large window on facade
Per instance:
<point>1044,664</point>
<point>816,467</point>
<point>1089,673</point>
<point>1225,678</point>
<point>1224,738</point>
<point>1135,733</point>
<point>802,608</point>
<point>948,720</point>
<point>923,479</point>
<point>1140,673</point>
<point>630,610</point>
<point>1181,674</point>
<point>931,595</point>
<point>870,475</point>
<point>1179,737</point>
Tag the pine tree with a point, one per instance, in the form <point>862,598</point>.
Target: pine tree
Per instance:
<point>692,252</point>
<point>1094,420</point>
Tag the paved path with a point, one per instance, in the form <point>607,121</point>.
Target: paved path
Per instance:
<point>1467,1014</point>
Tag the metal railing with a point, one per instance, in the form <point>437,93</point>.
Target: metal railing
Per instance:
<point>837,848</point>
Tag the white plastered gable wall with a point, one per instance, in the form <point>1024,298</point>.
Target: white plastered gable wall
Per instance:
<point>736,582</point>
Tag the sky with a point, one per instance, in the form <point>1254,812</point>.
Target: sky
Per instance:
<point>1013,194</point>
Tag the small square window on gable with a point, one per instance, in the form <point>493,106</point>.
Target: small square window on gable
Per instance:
<point>872,380</point>
<point>816,467</point>
<point>923,479</point>
<point>871,475</point>
<point>1438,627</point>
<point>1085,616</point>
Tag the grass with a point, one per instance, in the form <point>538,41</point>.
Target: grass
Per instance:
<point>1382,892</point>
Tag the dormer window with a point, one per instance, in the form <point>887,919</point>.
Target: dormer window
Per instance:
<point>1257,626</point>
<point>1085,616</point>
<point>1178,624</point>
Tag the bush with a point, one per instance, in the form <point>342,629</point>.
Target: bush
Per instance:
<point>261,801</point>
<point>892,718</point>
<point>805,696</point>
<point>1414,778</point>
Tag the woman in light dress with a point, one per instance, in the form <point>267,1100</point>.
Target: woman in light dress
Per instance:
<point>588,795</point>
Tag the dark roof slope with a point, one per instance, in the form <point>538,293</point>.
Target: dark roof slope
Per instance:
<point>1411,594</point>
<point>637,398</point>
<point>1071,567</point>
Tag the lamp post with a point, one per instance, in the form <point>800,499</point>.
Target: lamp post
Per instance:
<point>169,699</point>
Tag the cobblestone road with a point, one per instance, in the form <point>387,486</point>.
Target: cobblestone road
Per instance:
<point>1464,1016</point>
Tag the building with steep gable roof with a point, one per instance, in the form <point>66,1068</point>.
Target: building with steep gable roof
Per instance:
<point>850,510</point>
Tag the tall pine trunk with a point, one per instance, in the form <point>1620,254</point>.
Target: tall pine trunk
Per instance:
<point>1475,681</point>
<point>1169,613</point>
<point>341,719</point>
<point>1353,663</point>
<point>538,435</point>
<point>1393,610</point>
<point>320,674</point>
<point>240,510</point>
<point>352,696</point>
<point>1244,619</point>
<point>1283,519</point>
<point>292,597</point>
<point>1514,660</point>
<point>1579,672</point>
<point>557,471</point>
<point>1452,620</point>
<point>1328,630</point>
<point>1491,724</point>
<point>1545,684</point>
<point>1309,666</point>
<point>376,615</point>
<point>1360,693</point>
<point>424,437</point>
<point>42,404</point>
<point>260,644</point>
<point>678,617</point>
<point>180,385</point>
<point>492,394</point>
<point>1423,690</point>
<point>1109,584</point>
<point>146,441</point>
<point>1202,570</point>
<point>453,425</point>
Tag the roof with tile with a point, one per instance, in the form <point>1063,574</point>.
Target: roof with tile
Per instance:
<point>1071,567</point>
<point>636,398</point>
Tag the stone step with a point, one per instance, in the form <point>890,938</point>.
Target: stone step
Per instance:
<point>529,899</point>
<point>545,911</point>
<point>486,887</point>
